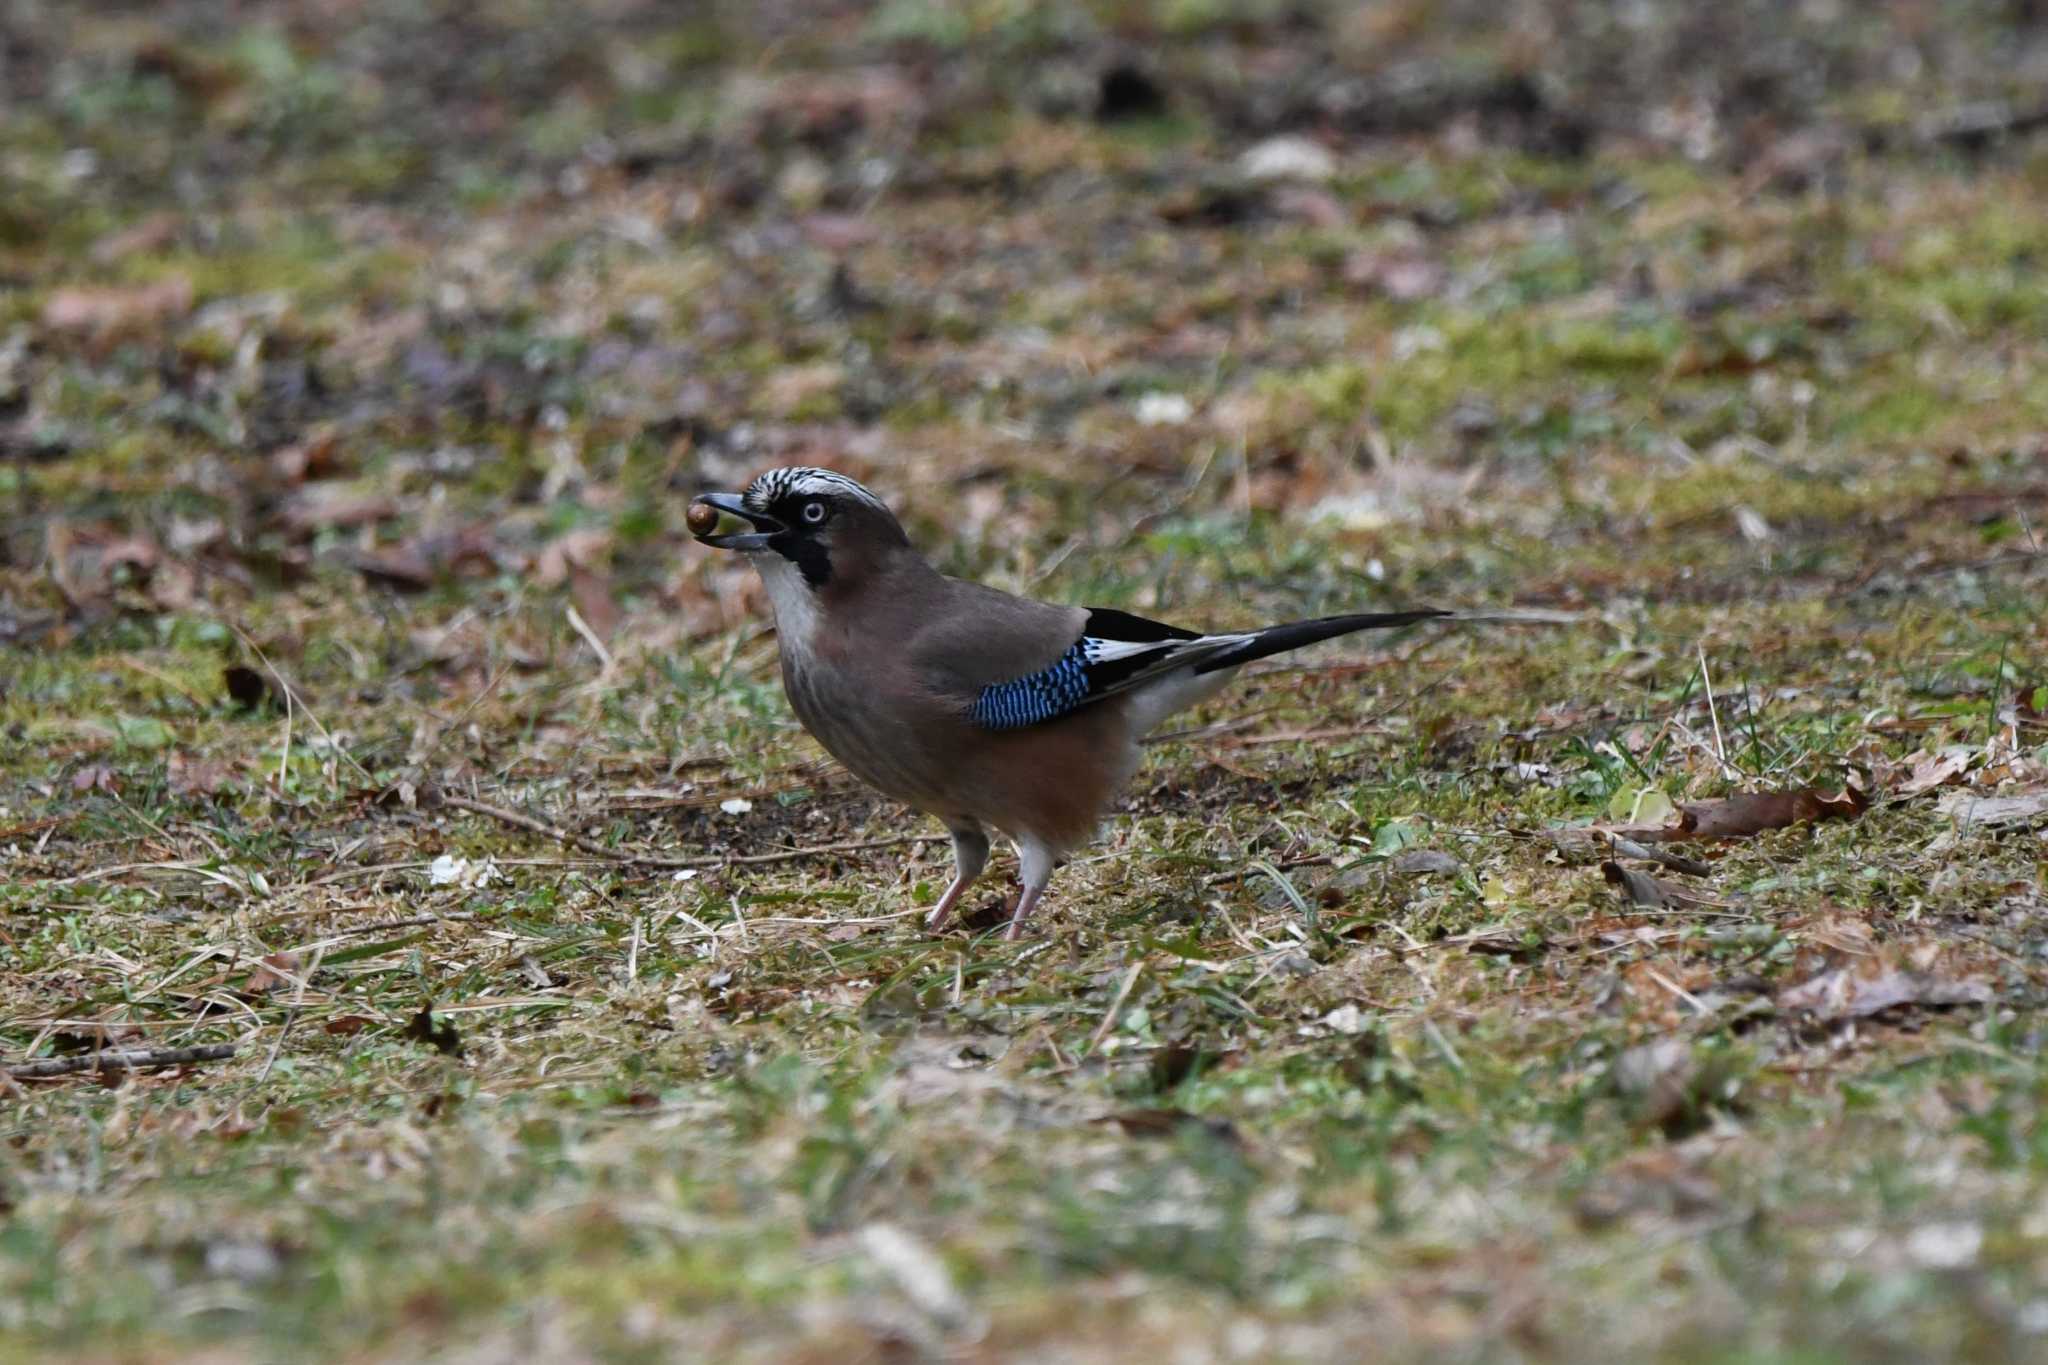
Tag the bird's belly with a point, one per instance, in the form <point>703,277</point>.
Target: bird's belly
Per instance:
<point>882,749</point>
<point>1047,783</point>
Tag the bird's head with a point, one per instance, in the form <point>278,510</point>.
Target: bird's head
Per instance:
<point>823,523</point>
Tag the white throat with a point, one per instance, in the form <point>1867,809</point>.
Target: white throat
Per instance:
<point>796,606</point>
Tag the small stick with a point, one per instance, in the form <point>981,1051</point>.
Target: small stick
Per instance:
<point>604,656</point>
<point>1677,862</point>
<point>521,820</point>
<point>1123,992</point>
<point>1706,680</point>
<point>131,1059</point>
<point>298,1003</point>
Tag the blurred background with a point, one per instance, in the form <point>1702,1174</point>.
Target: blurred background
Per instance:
<point>423,298</point>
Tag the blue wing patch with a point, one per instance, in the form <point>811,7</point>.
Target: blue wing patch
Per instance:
<point>1035,697</point>
<point>1114,648</point>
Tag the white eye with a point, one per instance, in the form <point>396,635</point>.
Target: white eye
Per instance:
<point>814,512</point>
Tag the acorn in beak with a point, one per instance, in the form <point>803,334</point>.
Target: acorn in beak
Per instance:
<point>723,522</point>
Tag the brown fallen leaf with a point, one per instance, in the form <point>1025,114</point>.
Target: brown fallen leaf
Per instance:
<point>277,969</point>
<point>149,234</point>
<point>95,777</point>
<point>1928,771</point>
<point>588,546</point>
<point>1738,817</point>
<point>591,589</point>
<point>196,777</point>
<point>345,1024</point>
<point>1858,990</point>
<point>404,567</point>
<point>116,308</point>
<point>313,458</point>
<point>1749,813</point>
<point>1404,276</point>
<point>318,507</point>
<point>1172,1122</point>
<point>1662,1181</point>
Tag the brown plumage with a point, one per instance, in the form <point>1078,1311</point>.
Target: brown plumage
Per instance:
<point>987,710</point>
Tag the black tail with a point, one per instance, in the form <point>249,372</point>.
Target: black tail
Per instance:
<point>1279,639</point>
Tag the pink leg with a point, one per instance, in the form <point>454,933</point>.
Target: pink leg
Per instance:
<point>943,911</point>
<point>1034,864</point>
<point>970,855</point>
<point>1026,903</point>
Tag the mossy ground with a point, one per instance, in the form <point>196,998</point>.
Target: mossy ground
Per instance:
<point>357,353</point>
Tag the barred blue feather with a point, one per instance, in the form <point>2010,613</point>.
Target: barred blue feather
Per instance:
<point>1118,651</point>
<point>1036,697</point>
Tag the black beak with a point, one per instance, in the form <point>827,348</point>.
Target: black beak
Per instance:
<point>722,521</point>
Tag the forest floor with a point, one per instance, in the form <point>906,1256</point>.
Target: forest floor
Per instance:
<point>1671,979</point>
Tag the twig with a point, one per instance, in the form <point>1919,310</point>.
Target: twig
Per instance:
<point>298,1003</point>
<point>582,627</point>
<point>131,1059</point>
<point>1123,992</point>
<point>1677,862</point>
<point>1713,713</point>
<point>294,702</point>
<point>521,820</point>
<point>1681,992</point>
<point>1237,874</point>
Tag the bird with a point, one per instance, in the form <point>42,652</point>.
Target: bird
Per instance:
<point>988,710</point>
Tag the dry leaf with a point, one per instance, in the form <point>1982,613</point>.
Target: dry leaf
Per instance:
<point>277,969</point>
<point>115,308</point>
<point>1863,989</point>
<point>1737,817</point>
<point>152,232</point>
<point>589,547</point>
<point>1928,771</point>
<point>2017,810</point>
<point>95,777</point>
<point>1171,1122</point>
<point>592,591</point>
<point>404,567</point>
<point>319,507</point>
<point>1417,862</point>
<point>189,776</point>
<point>1403,276</point>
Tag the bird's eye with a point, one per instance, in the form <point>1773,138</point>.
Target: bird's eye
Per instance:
<point>813,513</point>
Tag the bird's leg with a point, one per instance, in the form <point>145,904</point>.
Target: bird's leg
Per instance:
<point>970,855</point>
<point>1026,903</point>
<point>1035,865</point>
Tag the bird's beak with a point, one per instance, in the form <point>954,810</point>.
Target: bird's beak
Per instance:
<point>722,521</point>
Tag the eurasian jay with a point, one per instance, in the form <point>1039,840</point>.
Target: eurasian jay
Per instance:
<point>987,710</point>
